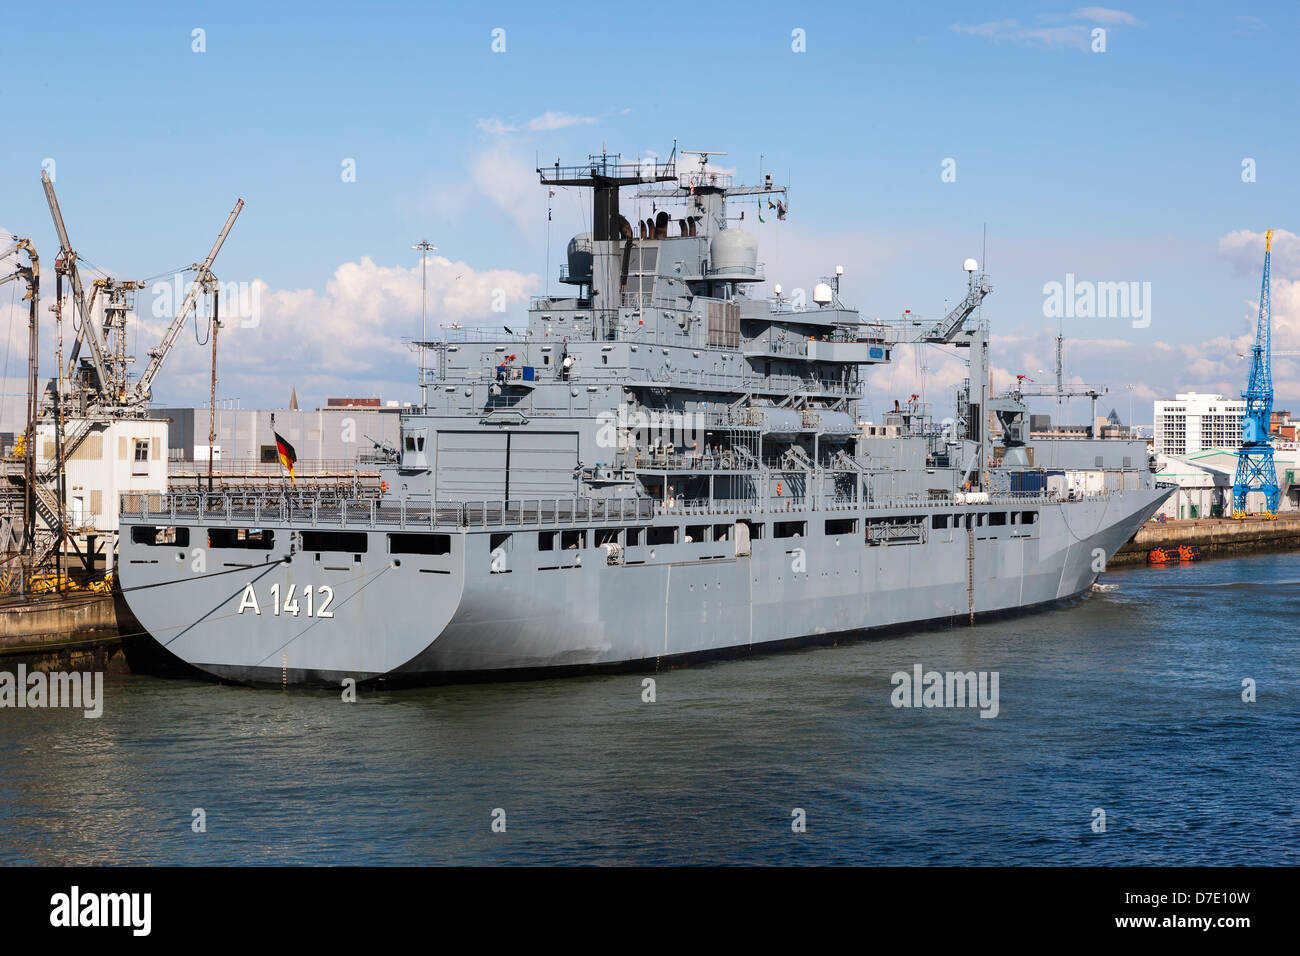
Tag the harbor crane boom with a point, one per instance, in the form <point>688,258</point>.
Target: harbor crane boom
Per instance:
<point>88,333</point>
<point>157,355</point>
<point>1255,468</point>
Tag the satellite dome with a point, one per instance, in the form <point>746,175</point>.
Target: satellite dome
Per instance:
<point>822,294</point>
<point>970,265</point>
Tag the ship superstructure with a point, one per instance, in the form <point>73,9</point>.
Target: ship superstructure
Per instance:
<point>663,465</point>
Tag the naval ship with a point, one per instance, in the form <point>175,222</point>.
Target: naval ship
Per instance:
<point>664,466</point>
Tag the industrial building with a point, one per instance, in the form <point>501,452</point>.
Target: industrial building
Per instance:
<point>1205,481</point>
<point>331,437</point>
<point>1193,422</point>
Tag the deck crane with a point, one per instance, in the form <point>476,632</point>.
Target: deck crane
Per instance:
<point>1255,470</point>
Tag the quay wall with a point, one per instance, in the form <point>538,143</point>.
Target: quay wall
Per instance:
<point>1215,537</point>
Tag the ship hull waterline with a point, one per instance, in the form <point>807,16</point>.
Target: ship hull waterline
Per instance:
<point>467,616</point>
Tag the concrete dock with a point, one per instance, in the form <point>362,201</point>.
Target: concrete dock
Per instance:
<point>78,630</point>
<point>1214,537</point>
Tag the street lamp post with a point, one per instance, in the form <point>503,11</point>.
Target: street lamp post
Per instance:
<point>425,247</point>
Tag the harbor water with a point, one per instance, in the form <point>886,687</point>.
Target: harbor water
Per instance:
<point>1129,701</point>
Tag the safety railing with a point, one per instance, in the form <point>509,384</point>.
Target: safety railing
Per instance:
<point>306,510</point>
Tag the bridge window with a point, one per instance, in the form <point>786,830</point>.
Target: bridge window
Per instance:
<point>836,526</point>
<point>789,529</point>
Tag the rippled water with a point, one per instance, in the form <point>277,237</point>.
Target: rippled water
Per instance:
<point>1129,701</point>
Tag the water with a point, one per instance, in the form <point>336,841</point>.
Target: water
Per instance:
<point>1129,701</point>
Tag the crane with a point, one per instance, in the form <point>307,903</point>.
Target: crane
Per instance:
<point>202,270</point>
<point>110,391</point>
<point>1255,470</point>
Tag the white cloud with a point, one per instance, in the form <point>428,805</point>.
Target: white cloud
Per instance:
<point>507,178</point>
<point>551,120</point>
<point>493,126</point>
<point>347,340</point>
<point>1105,15</point>
<point>1053,30</point>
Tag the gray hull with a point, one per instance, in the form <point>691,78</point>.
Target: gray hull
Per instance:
<point>471,613</point>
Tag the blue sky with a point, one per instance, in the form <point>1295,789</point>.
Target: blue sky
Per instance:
<point>1123,165</point>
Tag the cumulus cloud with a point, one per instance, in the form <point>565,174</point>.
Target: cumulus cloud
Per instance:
<point>1158,369</point>
<point>351,338</point>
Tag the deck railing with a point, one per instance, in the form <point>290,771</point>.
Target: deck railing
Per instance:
<point>255,509</point>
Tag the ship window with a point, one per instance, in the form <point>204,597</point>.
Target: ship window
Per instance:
<point>269,455</point>
<point>573,540</point>
<point>939,521</point>
<point>145,534</point>
<point>546,541</point>
<point>841,526</point>
<point>257,539</point>
<point>606,536</point>
<point>722,532</point>
<point>665,535</point>
<point>697,532</point>
<point>419,544</point>
<point>789,529</point>
<point>499,542</point>
<point>634,536</point>
<point>1028,517</point>
<point>353,541</point>
<point>997,518</point>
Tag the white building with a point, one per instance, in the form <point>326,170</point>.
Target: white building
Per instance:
<point>112,458</point>
<point>1193,422</point>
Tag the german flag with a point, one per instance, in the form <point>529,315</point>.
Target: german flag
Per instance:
<point>287,455</point>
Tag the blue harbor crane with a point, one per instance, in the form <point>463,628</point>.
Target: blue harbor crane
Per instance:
<point>1255,471</point>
